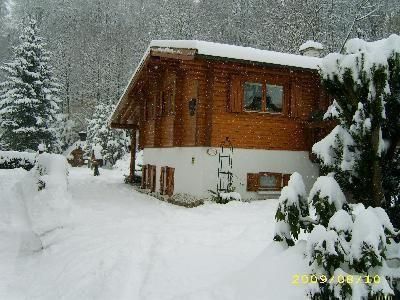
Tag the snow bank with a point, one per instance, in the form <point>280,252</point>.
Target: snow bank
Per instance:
<point>15,159</point>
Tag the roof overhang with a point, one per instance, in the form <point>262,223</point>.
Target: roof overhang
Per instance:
<point>118,117</point>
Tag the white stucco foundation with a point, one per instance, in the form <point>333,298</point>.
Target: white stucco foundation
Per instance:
<point>196,171</point>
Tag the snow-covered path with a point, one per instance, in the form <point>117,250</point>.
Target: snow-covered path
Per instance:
<point>120,244</point>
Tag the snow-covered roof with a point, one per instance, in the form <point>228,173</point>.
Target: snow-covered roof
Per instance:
<point>311,44</point>
<point>222,51</point>
<point>239,52</point>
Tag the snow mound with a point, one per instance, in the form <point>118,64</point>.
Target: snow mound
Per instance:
<point>231,196</point>
<point>311,44</point>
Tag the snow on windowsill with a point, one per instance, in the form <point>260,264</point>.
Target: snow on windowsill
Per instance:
<point>269,192</point>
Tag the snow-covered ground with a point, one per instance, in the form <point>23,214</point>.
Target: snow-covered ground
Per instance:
<point>120,244</point>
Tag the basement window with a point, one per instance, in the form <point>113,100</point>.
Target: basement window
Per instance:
<point>270,181</point>
<point>266,181</point>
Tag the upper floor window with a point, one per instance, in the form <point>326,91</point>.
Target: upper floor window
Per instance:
<point>252,96</point>
<point>274,101</point>
<point>259,95</point>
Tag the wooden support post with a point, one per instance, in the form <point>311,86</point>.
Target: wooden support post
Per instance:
<point>133,155</point>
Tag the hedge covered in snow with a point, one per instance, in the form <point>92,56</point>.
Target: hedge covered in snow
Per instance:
<point>15,159</point>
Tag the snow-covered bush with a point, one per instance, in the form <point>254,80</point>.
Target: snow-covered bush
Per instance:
<point>347,241</point>
<point>355,247</point>
<point>15,159</point>
<point>45,189</point>
<point>292,211</point>
<point>51,171</point>
<point>326,198</point>
<point>324,251</point>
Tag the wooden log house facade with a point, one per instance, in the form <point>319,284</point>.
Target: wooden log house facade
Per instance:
<point>187,97</point>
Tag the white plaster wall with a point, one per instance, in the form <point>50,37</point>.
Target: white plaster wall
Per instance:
<point>201,176</point>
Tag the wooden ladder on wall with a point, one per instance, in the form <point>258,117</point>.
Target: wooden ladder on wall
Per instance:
<point>225,175</point>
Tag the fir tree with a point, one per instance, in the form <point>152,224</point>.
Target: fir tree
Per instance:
<point>114,142</point>
<point>28,97</point>
<point>365,84</point>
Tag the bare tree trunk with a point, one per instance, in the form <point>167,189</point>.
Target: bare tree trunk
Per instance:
<point>377,190</point>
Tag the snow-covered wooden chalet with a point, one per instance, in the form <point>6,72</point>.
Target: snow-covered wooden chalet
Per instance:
<point>188,98</point>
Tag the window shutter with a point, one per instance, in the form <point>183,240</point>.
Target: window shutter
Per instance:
<point>144,177</point>
<point>286,178</point>
<point>148,176</point>
<point>253,182</point>
<point>235,103</point>
<point>170,181</point>
<point>153,181</point>
<point>162,181</point>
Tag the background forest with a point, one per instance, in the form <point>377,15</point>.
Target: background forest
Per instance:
<point>97,44</point>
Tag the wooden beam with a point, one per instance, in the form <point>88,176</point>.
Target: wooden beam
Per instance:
<point>123,126</point>
<point>133,155</point>
<point>127,110</point>
<point>183,54</point>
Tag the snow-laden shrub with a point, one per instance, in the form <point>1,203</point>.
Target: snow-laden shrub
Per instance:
<point>51,172</point>
<point>327,198</point>
<point>15,159</point>
<point>292,211</point>
<point>347,243</point>
<point>324,250</point>
<point>45,190</point>
<point>325,254</point>
<point>354,247</point>
<point>368,243</point>
<point>342,223</point>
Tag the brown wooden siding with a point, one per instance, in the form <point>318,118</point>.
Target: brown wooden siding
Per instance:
<point>210,83</point>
